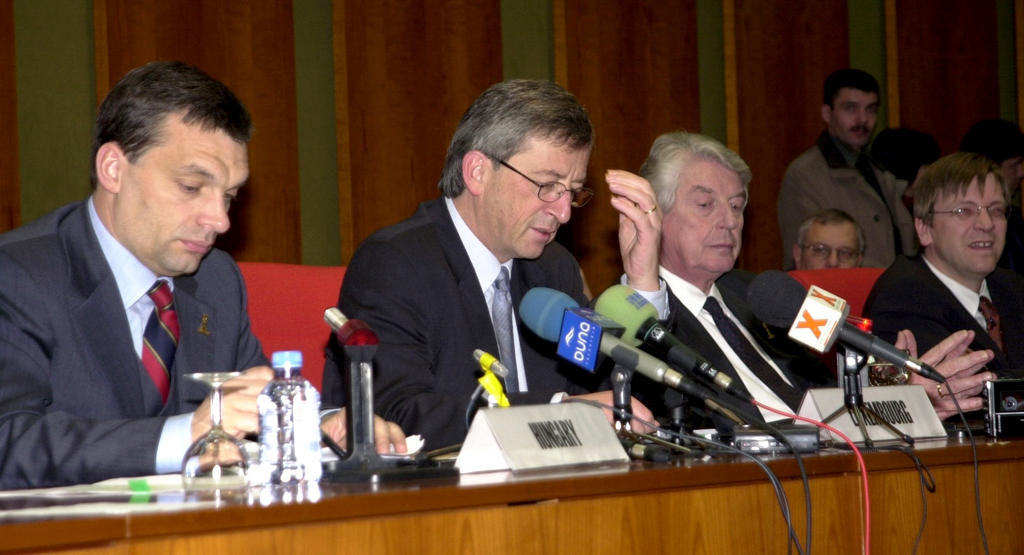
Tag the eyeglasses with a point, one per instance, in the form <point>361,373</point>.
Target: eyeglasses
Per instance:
<point>552,191</point>
<point>967,213</point>
<point>824,252</point>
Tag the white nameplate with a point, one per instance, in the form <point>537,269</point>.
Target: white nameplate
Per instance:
<point>906,407</point>
<point>538,436</point>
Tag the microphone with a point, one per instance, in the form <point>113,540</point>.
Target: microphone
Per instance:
<point>640,319</point>
<point>818,318</point>
<point>492,368</point>
<point>581,333</point>
<point>352,332</point>
<point>490,363</point>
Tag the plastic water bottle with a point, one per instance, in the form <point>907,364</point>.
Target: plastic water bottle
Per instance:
<point>289,425</point>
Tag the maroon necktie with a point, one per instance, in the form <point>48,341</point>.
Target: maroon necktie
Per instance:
<point>160,339</point>
<point>988,310</point>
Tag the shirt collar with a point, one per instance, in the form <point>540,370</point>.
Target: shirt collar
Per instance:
<point>133,278</point>
<point>969,299</point>
<point>485,264</point>
<point>689,295</point>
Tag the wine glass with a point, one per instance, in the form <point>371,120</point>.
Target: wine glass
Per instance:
<point>217,459</point>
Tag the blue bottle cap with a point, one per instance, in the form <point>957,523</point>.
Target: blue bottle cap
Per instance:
<point>286,359</point>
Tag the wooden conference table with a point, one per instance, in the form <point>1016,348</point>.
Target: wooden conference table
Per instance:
<point>717,506</point>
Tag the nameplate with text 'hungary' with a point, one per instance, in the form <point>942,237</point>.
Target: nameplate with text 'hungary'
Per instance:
<point>538,436</point>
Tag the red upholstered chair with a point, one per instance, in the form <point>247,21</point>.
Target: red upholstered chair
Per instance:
<point>286,308</point>
<point>852,284</point>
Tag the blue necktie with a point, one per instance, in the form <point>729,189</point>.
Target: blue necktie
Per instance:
<point>501,318</point>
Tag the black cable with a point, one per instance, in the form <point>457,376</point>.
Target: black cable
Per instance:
<point>471,407</point>
<point>974,455</point>
<point>777,434</point>
<point>925,482</point>
<point>732,404</point>
<point>780,493</point>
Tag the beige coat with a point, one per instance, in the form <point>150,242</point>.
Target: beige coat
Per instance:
<point>812,184</point>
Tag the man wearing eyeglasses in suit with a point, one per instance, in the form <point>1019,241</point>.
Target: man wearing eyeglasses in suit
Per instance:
<point>445,281</point>
<point>829,239</point>
<point>960,206</point>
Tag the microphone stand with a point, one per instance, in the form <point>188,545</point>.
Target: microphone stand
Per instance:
<point>362,462</point>
<point>850,362</point>
<point>362,452</point>
<point>621,393</point>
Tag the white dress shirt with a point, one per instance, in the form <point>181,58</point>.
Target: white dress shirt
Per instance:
<point>692,298</point>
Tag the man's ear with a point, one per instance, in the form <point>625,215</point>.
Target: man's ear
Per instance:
<point>110,164</point>
<point>797,251</point>
<point>476,170</point>
<point>924,232</point>
<point>826,113</point>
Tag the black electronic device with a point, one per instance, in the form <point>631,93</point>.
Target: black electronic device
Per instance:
<point>751,439</point>
<point>1004,407</point>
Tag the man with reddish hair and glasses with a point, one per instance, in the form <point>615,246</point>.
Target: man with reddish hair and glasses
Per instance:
<point>960,205</point>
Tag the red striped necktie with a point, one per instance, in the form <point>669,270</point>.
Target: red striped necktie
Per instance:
<point>160,339</point>
<point>995,330</point>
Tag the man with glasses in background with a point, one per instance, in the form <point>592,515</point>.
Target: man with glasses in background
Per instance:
<point>449,279</point>
<point>960,205</point>
<point>829,239</point>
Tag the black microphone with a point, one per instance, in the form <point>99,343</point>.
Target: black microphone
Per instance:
<point>628,307</point>
<point>776,297</point>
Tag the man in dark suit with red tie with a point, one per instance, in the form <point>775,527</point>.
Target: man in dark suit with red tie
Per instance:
<point>105,304</point>
<point>960,208</point>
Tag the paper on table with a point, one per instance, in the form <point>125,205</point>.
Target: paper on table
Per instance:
<point>413,443</point>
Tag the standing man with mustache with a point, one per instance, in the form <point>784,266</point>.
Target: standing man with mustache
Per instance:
<point>449,279</point>
<point>838,173</point>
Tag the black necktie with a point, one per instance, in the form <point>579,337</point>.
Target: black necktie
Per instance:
<point>749,355</point>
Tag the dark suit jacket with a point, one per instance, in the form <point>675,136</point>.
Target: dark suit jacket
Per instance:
<point>909,296</point>
<point>802,370</point>
<point>414,285</point>
<point>75,404</point>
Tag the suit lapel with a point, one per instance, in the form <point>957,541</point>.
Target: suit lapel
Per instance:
<point>200,327</point>
<point>98,313</point>
<point>471,296</point>
<point>961,319</point>
<point>685,326</point>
